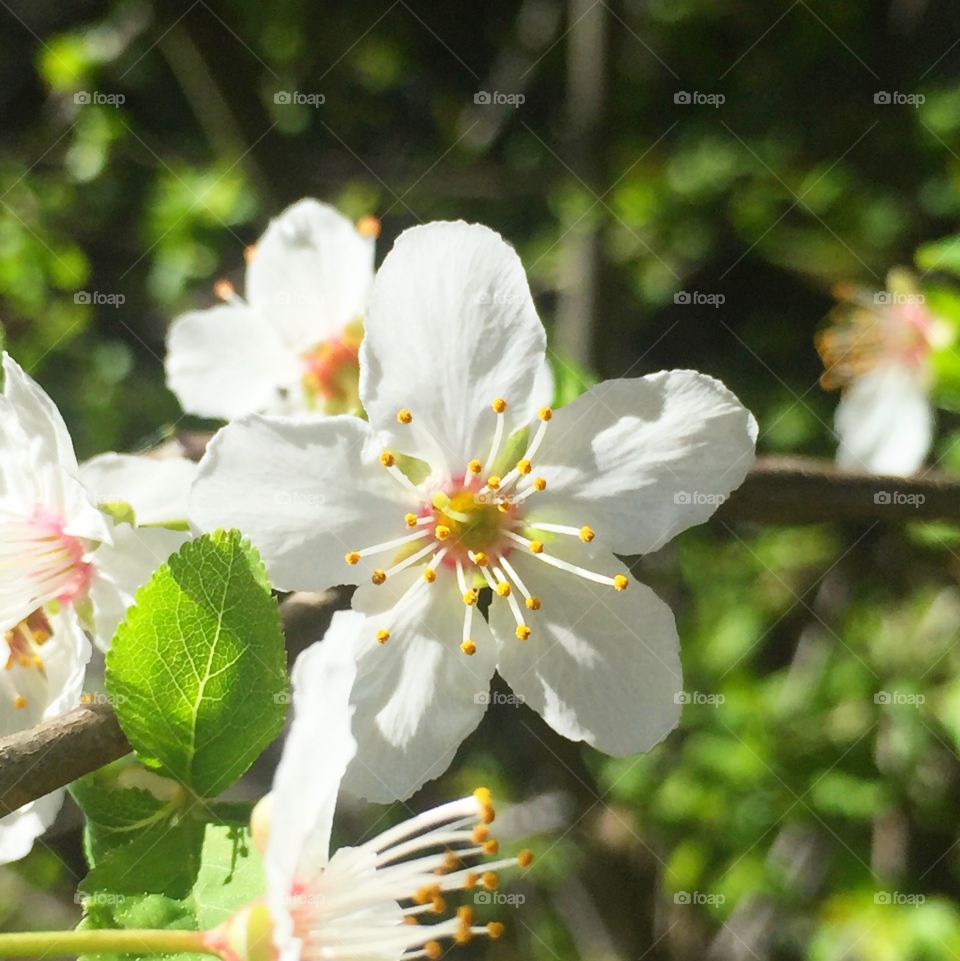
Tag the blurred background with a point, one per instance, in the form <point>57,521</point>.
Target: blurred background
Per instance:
<point>685,181</point>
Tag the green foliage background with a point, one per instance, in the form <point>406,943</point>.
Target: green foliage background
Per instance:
<point>807,807</point>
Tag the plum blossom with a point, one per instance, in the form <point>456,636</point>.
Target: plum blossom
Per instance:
<point>460,482</point>
<point>291,345</point>
<point>383,900</point>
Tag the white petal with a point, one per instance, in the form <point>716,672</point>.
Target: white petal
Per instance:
<point>121,568</point>
<point>227,361</point>
<point>451,327</point>
<point>157,488</point>
<point>305,491</point>
<point>417,696</point>
<point>601,666</point>
<point>315,755</point>
<point>640,460</point>
<point>885,423</point>
<point>544,386</point>
<point>19,830</point>
<point>310,275</point>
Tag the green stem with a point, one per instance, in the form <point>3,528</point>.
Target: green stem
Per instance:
<point>29,944</point>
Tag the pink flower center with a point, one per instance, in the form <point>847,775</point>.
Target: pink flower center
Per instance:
<point>60,556</point>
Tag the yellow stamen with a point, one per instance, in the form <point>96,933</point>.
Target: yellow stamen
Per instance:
<point>545,413</point>
<point>404,416</point>
<point>433,951</point>
<point>411,520</point>
<point>495,930</point>
<point>493,482</point>
<point>480,833</point>
<point>468,648</point>
<point>524,466</point>
<point>587,534</point>
<point>352,557</point>
<point>429,575</point>
<point>387,459</point>
<point>378,576</point>
<point>383,636</point>
<point>442,532</point>
<point>19,701</point>
<point>249,252</point>
<point>620,582</point>
<point>536,547</point>
<point>533,603</point>
<point>474,467</point>
<point>499,405</point>
<point>540,484</point>
<point>491,847</point>
<point>522,632</point>
<point>503,589</point>
<point>223,289</point>
<point>369,226</point>
<point>480,559</point>
<point>470,597</point>
<point>525,858</point>
<point>490,881</point>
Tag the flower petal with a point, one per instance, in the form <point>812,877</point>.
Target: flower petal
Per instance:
<point>885,423</point>
<point>305,491</point>
<point>450,328</point>
<point>227,361</point>
<point>19,830</point>
<point>642,459</point>
<point>600,666</point>
<point>417,696</point>
<point>157,488</point>
<point>311,273</point>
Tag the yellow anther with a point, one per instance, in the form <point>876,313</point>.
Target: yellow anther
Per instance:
<point>545,413</point>
<point>249,252</point>
<point>495,930</point>
<point>474,467</point>
<point>383,636</point>
<point>223,289</point>
<point>442,532</point>
<point>404,416</point>
<point>540,483</point>
<point>469,648</point>
<point>433,951</point>
<point>439,905</point>
<point>499,405</point>
<point>490,881</point>
<point>503,589</point>
<point>620,582</point>
<point>427,893</point>
<point>525,858</point>
<point>533,603</point>
<point>19,701</point>
<point>23,660</point>
<point>469,881</point>
<point>411,919</point>
<point>483,795</point>
<point>524,466</point>
<point>587,534</point>
<point>480,559</point>
<point>352,557</point>
<point>369,226</point>
<point>480,833</point>
<point>410,519</point>
<point>36,660</point>
<point>378,576</point>
<point>387,459</point>
<point>429,575</point>
<point>522,632</point>
<point>536,547</point>
<point>465,914</point>
<point>493,482</point>
<point>491,847</point>
<point>450,862</point>
<point>470,597</point>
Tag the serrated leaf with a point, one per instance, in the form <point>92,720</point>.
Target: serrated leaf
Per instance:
<point>197,669</point>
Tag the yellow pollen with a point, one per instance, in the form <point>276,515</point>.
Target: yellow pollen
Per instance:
<point>411,520</point>
<point>522,632</point>
<point>480,559</point>
<point>465,913</point>
<point>545,413</point>
<point>524,466</point>
<point>483,795</point>
<point>23,660</point>
<point>442,532</point>
<point>378,576</point>
<point>620,582</point>
<point>480,833</point>
<point>536,547</point>
<point>369,226</point>
<point>450,862</point>
<point>474,467</point>
<point>490,881</point>
<point>469,881</point>
<point>439,905</point>
<point>387,459</point>
<point>491,847</point>
<point>249,252</point>
<point>19,701</point>
<point>470,597</point>
<point>404,416</point>
<point>525,858</point>
<point>499,405</point>
<point>410,919</point>
<point>540,484</point>
<point>429,575</point>
<point>426,893</point>
<point>533,603</point>
<point>352,558</point>
<point>495,930</point>
<point>503,589</point>
<point>433,951</point>
<point>469,648</point>
<point>493,482</point>
<point>223,289</point>
<point>36,660</point>
<point>383,636</point>
<point>587,534</point>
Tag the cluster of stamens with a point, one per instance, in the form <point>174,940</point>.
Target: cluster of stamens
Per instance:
<point>24,641</point>
<point>470,527</point>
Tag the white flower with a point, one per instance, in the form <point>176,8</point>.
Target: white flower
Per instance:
<point>490,492</point>
<point>878,351</point>
<point>385,899</point>
<point>292,344</point>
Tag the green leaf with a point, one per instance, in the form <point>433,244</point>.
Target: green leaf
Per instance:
<point>231,875</point>
<point>943,254</point>
<point>197,669</point>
